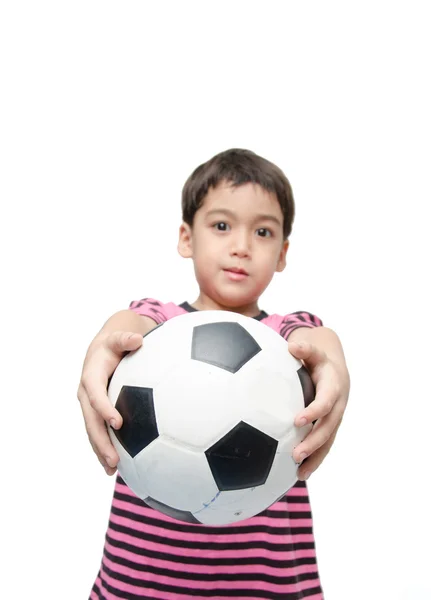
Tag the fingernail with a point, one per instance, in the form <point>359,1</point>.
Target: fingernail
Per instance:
<point>302,456</point>
<point>306,476</point>
<point>302,421</point>
<point>112,423</point>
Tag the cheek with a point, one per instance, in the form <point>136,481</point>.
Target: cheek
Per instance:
<point>208,249</point>
<point>206,259</point>
<point>266,269</point>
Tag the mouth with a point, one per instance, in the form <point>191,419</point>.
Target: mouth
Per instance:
<point>235,270</point>
<point>236,274</point>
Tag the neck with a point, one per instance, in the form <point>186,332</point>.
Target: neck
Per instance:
<point>205,303</point>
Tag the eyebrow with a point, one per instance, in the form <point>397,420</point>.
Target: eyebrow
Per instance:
<point>229,213</point>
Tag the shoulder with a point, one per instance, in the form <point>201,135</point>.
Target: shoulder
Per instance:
<point>285,324</point>
<point>156,309</point>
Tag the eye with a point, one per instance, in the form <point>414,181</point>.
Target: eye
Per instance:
<point>263,232</point>
<point>221,226</point>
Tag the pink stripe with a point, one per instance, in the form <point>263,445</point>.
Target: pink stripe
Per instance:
<point>204,538</point>
<point>209,569</point>
<point>205,585</point>
<point>228,553</point>
<point>170,596</point>
<point>204,570</point>
<point>173,596</point>
<point>298,508</point>
<point>297,491</point>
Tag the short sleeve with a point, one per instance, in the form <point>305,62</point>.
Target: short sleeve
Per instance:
<point>298,319</point>
<point>156,310</point>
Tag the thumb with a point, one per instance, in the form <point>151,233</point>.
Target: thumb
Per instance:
<point>123,341</point>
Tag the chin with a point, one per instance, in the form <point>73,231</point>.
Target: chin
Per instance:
<point>236,300</point>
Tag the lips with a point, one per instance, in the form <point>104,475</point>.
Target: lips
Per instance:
<point>236,270</point>
<point>236,274</point>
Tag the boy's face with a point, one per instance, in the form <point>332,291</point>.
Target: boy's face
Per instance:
<point>235,228</point>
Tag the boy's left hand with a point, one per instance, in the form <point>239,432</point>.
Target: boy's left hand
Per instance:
<point>332,383</point>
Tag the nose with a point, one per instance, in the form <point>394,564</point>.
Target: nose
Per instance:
<point>240,245</point>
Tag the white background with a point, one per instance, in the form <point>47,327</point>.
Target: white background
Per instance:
<point>106,108</point>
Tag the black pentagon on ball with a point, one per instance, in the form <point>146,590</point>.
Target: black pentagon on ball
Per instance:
<point>175,513</point>
<point>135,404</point>
<point>226,345</point>
<point>242,458</point>
<point>307,385</point>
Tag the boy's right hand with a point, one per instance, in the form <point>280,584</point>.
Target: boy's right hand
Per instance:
<point>103,356</point>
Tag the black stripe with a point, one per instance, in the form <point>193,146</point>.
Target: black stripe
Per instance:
<point>199,560</point>
<point>310,316</point>
<point>120,595</point>
<point>298,484</point>
<point>255,576</point>
<point>295,514</point>
<point>162,539</point>
<point>163,587</point>
<point>257,593</point>
<point>297,500</point>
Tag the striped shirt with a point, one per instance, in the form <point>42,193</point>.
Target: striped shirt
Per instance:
<point>150,555</point>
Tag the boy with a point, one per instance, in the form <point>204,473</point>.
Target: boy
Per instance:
<point>238,210</point>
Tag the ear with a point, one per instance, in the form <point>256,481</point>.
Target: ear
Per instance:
<point>185,245</point>
<point>282,258</point>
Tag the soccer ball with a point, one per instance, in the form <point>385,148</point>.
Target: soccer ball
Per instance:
<point>208,404</point>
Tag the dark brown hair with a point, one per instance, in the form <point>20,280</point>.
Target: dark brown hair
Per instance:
<point>238,167</point>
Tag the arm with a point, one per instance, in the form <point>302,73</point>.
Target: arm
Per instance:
<point>324,338</point>
<point>126,320</point>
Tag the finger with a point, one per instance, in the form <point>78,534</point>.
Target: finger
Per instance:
<point>319,435</point>
<point>109,470</point>
<point>98,435</point>
<point>327,395</point>
<point>123,341</point>
<point>96,394</point>
<point>311,464</point>
<point>115,345</point>
<point>106,454</point>
<point>95,380</point>
<point>307,352</point>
